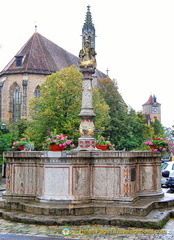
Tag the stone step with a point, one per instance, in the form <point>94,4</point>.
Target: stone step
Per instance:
<point>78,209</point>
<point>154,220</point>
<point>141,208</point>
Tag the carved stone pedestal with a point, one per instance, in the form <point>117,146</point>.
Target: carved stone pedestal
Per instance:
<point>83,176</point>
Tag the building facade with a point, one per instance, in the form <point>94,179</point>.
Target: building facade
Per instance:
<point>152,110</point>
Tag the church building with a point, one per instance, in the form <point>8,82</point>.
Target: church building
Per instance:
<point>152,110</point>
<point>20,80</point>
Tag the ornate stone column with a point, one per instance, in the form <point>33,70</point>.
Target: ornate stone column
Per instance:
<point>87,65</point>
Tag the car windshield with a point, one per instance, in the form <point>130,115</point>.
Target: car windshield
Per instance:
<point>164,166</point>
<point>166,156</point>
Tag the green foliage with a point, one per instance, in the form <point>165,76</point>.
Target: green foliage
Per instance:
<point>126,128</point>
<point>59,105</point>
<point>12,132</point>
<point>101,110</point>
<point>17,129</point>
<point>102,141</point>
<point>158,128</point>
<point>109,90</point>
<point>36,133</point>
<point>5,144</point>
<point>117,110</point>
<point>134,131</point>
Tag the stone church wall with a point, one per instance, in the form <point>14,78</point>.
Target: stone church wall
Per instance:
<point>27,84</point>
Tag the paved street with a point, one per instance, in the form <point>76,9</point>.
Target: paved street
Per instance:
<point>18,237</point>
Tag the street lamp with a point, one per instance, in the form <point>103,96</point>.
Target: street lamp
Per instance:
<point>2,126</point>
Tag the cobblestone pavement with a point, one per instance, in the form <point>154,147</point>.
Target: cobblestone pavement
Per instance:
<point>84,232</point>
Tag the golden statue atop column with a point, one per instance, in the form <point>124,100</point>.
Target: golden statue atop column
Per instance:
<point>87,55</point>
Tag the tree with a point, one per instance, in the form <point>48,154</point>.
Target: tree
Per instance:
<point>117,109</point>
<point>5,143</point>
<point>101,109</point>
<point>158,128</point>
<point>170,133</point>
<point>109,90</point>
<point>127,129</point>
<point>58,107</point>
<point>134,132</point>
<point>13,132</point>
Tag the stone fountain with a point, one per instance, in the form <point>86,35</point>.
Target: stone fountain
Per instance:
<point>104,187</point>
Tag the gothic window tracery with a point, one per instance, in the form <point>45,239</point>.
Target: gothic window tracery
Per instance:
<point>16,102</point>
<point>37,92</point>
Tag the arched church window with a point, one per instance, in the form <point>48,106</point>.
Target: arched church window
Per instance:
<point>37,92</point>
<point>16,103</point>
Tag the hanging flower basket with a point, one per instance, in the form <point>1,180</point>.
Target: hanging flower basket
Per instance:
<point>55,147</point>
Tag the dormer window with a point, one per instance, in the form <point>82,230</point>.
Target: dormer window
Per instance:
<point>19,61</point>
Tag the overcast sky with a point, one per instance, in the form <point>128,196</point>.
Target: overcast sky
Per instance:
<point>134,40</point>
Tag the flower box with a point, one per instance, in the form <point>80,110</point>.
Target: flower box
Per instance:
<point>58,142</point>
<point>21,148</point>
<point>102,147</point>
<point>152,147</point>
<point>104,144</point>
<point>22,144</point>
<point>55,147</point>
<point>160,144</point>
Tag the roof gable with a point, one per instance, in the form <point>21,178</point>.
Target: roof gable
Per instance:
<point>41,56</point>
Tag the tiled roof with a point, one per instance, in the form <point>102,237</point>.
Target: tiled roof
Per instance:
<point>151,101</point>
<point>41,56</point>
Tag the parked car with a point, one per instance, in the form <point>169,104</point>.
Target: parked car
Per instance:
<point>166,158</point>
<point>167,170</point>
<point>170,183</point>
